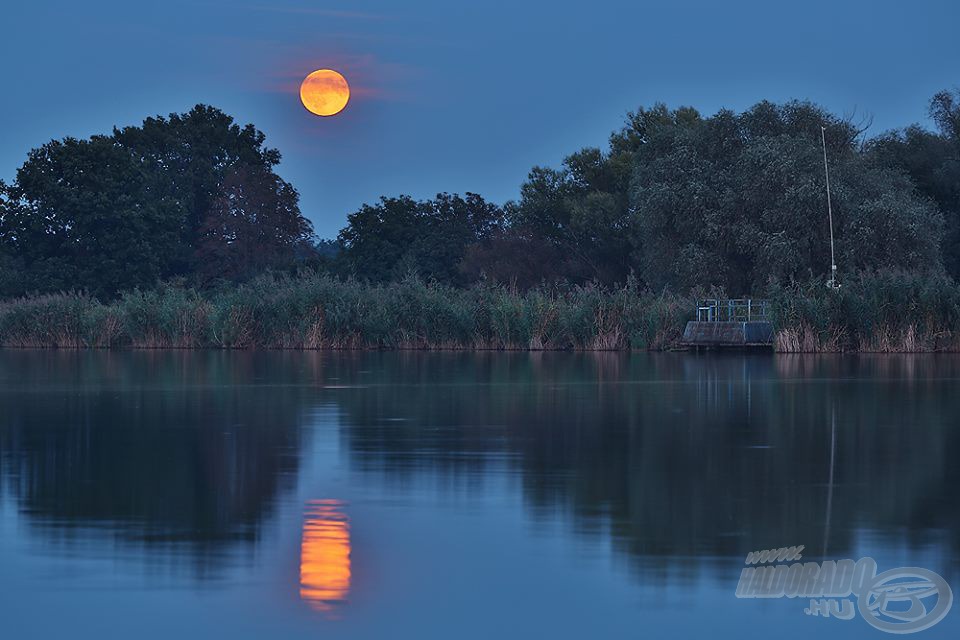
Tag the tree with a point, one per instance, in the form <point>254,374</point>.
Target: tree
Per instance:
<point>401,235</point>
<point>86,214</point>
<point>737,200</point>
<point>945,111</point>
<point>11,269</point>
<point>573,224</point>
<point>518,257</point>
<point>932,161</point>
<point>580,211</point>
<point>252,225</point>
<point>196,152</point>
<point>193,195</point>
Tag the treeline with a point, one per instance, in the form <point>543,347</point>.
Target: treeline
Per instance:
<point>679,200</point>
<point>179,232</point>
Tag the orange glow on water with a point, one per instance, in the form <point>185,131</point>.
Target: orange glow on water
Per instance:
<point>325,555</point>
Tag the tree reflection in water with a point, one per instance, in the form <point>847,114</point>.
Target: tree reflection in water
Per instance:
<point>179,453</point>
<point>682,460</point>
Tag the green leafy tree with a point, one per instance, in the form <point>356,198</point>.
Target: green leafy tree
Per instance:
<point>737,200</point>
<point>519,257</point>
<point>580,212</point>
<point>398,236</point>
<point>196,152</point>
<point>193,195</point>
<point>253,224</point>
<point>945,111</point>
<point>573,224</point>
<point>86,214</point>
<point>932,160</point>
<point>11,269</point>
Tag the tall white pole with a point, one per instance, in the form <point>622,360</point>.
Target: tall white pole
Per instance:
<point>832,283</point>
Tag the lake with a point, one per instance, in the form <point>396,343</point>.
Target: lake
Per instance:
<point>465,495</point>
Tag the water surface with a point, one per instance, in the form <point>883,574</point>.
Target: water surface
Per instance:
<point>378,495</point>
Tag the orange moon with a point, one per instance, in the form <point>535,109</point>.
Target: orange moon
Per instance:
<point>324,92</point>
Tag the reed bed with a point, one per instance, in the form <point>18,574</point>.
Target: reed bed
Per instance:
<point>313,311</point>
<point>874,312</point>
<point>889,312</point>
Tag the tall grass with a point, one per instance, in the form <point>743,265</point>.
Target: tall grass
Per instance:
<point>887,312</point>
<point>311,311</point>
<point>69,320</point>
<point>884,312</point>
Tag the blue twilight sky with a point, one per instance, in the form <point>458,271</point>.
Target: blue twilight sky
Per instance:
<point>454,96</point>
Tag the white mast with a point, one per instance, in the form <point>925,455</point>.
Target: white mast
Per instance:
<point>832,282</point>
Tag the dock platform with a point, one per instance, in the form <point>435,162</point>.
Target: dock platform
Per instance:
<point>737,323</point>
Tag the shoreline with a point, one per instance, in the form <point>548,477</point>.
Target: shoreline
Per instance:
<point>394,349</point>
<point>887,312</point>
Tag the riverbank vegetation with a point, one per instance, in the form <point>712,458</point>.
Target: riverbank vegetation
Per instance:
<point>312,311</point>
<point>888,311</point>
<point>179,233</point>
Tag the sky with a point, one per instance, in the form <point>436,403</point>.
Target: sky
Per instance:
<point>455,96</point>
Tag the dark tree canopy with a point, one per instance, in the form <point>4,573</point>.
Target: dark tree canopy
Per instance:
<point>87,214</point>
<point>732,200</point>
<point>193,195</point>
<point>400,236</point>
<point>677,200</point>
<point>737,200</point>
<point>573,224</point>
<point>945,111</point>
<point>932,160</point>
<point>580,212</point>
<point>196,151</point>
<point>252,224</point>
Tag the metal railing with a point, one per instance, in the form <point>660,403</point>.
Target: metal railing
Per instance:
<point>732,310</point>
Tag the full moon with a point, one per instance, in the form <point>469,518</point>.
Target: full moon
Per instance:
<point>324,92</point>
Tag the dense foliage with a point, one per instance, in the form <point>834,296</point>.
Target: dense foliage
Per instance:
<point>739,201</point>
<point>312,311</point>
<point>192,195</point>
<point>932,161</point>
<point>160,216</point>
<point>679,200</point>
<point>875,311</point>
<point>400,236</point>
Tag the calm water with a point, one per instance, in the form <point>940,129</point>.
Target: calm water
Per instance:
<point>317,495</point>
